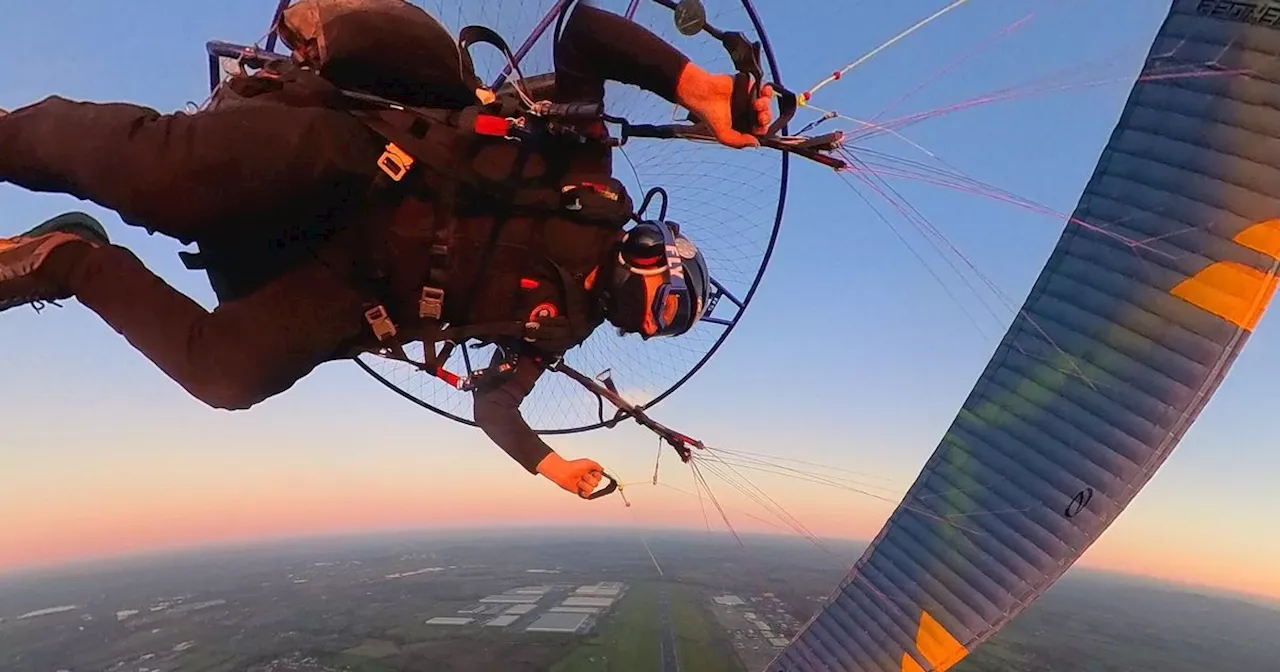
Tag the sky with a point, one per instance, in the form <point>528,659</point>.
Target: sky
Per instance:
<point>101,454</point>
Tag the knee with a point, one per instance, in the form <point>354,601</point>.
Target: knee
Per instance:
<point>226,394</point>
<point>236,385</point>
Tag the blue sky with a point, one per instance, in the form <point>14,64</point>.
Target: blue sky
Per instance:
<point>886,356</point>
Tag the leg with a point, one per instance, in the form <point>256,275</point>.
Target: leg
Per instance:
<point>243,352</point>
<point>186,176</point>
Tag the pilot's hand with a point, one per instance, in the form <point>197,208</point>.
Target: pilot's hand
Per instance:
<point>577,476</point>
<point>711,98</point>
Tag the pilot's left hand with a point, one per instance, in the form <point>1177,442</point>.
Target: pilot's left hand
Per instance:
<point>577,476</point>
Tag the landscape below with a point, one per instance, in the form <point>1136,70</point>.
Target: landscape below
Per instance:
<point>525,601</point>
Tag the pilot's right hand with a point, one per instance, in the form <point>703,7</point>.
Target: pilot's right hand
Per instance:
<point>710,96</point>
<point>577,476</point>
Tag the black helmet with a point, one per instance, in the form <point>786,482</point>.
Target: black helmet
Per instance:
<point>661,284</point>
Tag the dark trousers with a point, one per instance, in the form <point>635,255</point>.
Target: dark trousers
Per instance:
<point>252,172</point>
<point>244,351</point>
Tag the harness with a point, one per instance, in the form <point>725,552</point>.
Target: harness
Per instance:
<point>430,173</point>
<point>407,131</point>
<point>429,163</point>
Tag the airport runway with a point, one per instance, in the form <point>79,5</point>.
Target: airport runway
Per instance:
<point>670,654</point>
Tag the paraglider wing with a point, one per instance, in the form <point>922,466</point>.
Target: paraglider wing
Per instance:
<point>1151,292</point>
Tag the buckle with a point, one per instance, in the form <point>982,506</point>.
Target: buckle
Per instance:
<point>395,162</point>
<point>431,303</point>
<point>380,322</point>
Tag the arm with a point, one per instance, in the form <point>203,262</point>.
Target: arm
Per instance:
<point>497,412</point>
<point>596,46</point>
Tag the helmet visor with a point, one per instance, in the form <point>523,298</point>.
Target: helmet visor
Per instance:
<point>671,304</point>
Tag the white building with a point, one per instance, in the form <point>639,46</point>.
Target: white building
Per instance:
<point>601,602</point>
<point>610,589</point>
<point>558,622</point>
<point>511,599</point>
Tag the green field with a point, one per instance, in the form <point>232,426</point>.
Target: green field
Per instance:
<point>629,639</point>
<point>374,648</point>
<point>702,644</point>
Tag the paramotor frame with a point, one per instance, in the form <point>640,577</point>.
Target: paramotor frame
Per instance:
<point>750,58</point>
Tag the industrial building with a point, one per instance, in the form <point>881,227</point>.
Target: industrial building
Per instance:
<point>599,602</point>
<point>449,620</point>
<point>602,589</point>
<point>558,622</point>
<point>507,598</point>
<point>575,610</point>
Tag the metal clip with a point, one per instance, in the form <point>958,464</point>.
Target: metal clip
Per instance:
<point>570,191</point>
<point>431,303</point>
<point>383,327</point>
<point>395,162</point>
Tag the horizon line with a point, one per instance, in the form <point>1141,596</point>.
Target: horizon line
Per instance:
<point>178,551</point>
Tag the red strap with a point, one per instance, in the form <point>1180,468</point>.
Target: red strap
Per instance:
<point>448,377</point>
<point>488,124</point>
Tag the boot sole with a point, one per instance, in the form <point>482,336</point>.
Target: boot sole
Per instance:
<point>79,223</point>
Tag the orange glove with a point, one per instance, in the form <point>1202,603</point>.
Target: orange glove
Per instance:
<point>578,476</point>
<point>711,98</point>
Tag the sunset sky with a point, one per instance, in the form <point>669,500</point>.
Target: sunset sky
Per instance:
<point>101,454</point>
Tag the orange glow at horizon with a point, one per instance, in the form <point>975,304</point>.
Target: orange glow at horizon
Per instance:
<point>104,519</point>
<point>131,514</point>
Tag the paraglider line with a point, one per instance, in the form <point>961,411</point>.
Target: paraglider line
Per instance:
<point>782,512</point>
<point>923,511</point>
<point>1018,93</point>
<point>865,57</point>
<point>862,175</point>
<point>991,41</point>
<point>715,501</point>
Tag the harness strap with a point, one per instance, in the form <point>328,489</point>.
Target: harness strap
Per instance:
<point>443,140</point>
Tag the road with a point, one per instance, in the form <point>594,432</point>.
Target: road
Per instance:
<point>670,653</point>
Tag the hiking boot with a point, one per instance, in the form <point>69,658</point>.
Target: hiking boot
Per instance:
<point>22,256</point>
